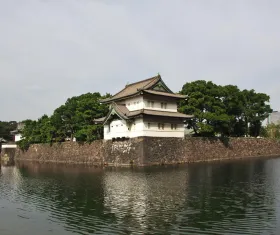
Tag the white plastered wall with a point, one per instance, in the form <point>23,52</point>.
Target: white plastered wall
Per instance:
<point>135,103</point>
<point>18,137</point>
<point>152,130</point>
<point>170,106</point>
<point>120,129</point>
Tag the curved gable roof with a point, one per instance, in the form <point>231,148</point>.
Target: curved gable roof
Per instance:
<point>134,88</point>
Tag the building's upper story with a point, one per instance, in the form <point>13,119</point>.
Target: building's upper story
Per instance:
<point>150,94</point>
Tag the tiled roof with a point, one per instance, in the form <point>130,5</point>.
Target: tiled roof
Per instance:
<point>134,88</point>
<point>99,120</point>
<point>123,112</point>
<point>2,140</point>
<point>121,109</point>
<point>158,113</point>
<point>165,94</point>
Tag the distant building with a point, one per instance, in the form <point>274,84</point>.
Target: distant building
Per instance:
<point>273,118</point>
<point>17,133</point>
<point>144,108</point>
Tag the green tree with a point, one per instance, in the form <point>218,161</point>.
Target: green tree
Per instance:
<point>75,118</point>
<point>40,131</point>
<point>234,102</point>
<point>257,109</point>
<point>6,128</point>
<point>205,103</point>
<point>272,131</point>
<point>224,110</point>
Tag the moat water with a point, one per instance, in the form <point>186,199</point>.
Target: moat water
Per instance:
<point>236,197</point>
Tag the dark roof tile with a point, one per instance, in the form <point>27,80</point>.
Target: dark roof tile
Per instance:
<point>159,113</point>
<point>133,88</point>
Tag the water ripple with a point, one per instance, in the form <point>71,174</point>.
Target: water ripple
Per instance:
<point>219,198</point>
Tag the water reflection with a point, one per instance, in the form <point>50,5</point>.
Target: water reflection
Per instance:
<point>233,198</point>
<point>215,198</point>
<point>138,198</point>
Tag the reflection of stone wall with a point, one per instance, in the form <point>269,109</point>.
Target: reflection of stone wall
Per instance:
<point>7,156</point>
<point>150,150</point>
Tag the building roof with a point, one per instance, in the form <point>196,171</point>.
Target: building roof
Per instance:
<point>165,94</point>
<point>137,87</point>
<point>159,113</point>
<point>2,140</point>
<point>99,120</point>
<point>122,111</point>
<point>20,126</point>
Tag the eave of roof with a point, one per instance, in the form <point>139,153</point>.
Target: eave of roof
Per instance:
<point>120,110</point>
<point>165,94</point>
<point>2,140</point>
<point>159,113</point>
<point>99,120</point>
<point>123,112</point>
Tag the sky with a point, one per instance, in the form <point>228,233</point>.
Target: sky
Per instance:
<point>51,50</point>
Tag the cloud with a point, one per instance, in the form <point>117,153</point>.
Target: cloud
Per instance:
<point>52,50</point>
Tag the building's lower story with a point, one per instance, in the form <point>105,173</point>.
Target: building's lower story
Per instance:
<point>144,126</point>
<point>122,123</point>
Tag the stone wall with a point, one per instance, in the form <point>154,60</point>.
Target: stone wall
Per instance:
<point>97,153</point>
<point>124,153</point>
<point>170,150</point>
<point>68,152</point>
<point>151,150</point>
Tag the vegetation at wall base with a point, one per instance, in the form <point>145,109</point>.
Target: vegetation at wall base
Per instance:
<point>271,131</point>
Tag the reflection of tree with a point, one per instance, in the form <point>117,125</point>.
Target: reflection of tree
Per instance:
<point>73,195</point>
<point>218,198</point>
<point>225,196</point>
<point>87,200</point>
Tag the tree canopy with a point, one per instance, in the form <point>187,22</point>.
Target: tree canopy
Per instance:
<point>74,119</point>
<point>224,110</point>
<point>6,128</point>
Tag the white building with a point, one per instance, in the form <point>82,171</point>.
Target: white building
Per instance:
<point>144,108</point>
<point>17,133</point>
